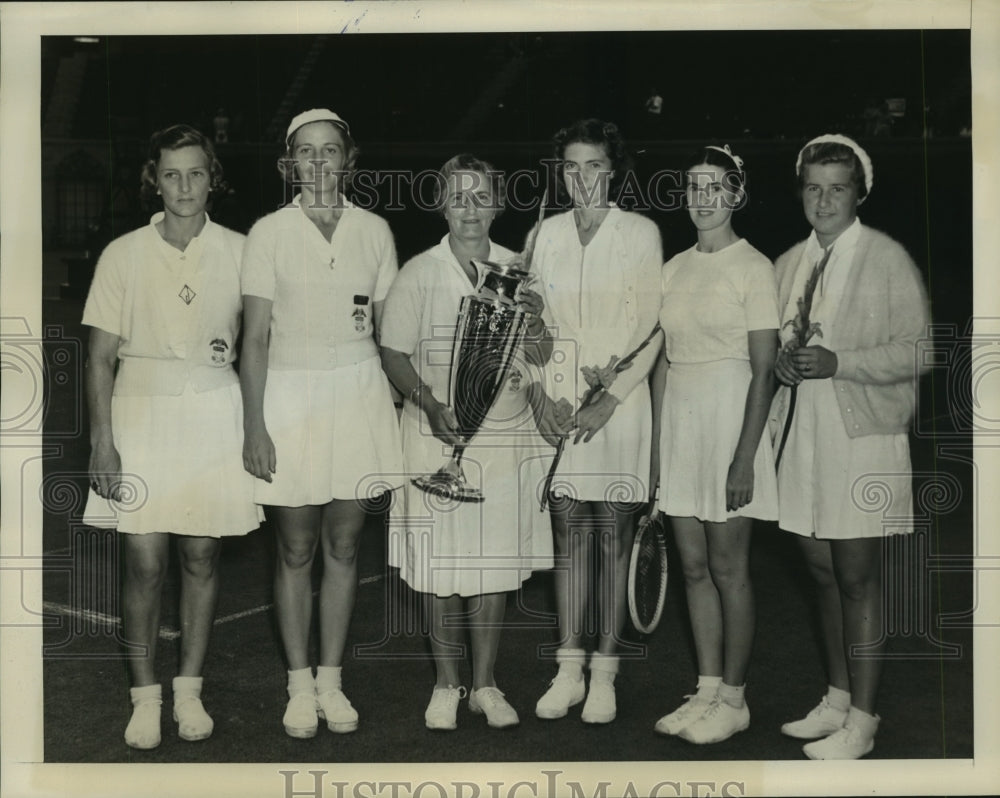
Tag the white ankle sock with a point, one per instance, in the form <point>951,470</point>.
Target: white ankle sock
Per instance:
<point>187,685</point>
<point>145,695</point>
<point>731,694</point>
<point>860,719</point>
<point>327,678</point>
<point>708,686</point>
<point>301,681</point>
<point>571,662</point>
<point>839,699</point>
<point>603,667</point>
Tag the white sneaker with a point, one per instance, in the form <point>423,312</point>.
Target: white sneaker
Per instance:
<point>822,721</point>
<point>442,711</point>
<point>491,702</point>
<point>601,706</point>
<point>193,722</point>
<point>719,722</point>
<point>685,714</point>
<point>853,741</point>
<point>143,730</point>
<point>337,711</point>
<point>300,716</point>
<point>564,692</point>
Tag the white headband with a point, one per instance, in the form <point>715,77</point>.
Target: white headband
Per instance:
<point>836,138</point>
<point>734,158</point>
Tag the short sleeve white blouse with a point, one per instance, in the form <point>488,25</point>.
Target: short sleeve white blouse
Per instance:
<point>322,292</point>
<point>712,299</point>
<point>176,313</point>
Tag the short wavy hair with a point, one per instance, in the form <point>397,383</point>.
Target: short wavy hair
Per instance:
<point>600,133</point>
<point>466,162</point>
<point>827,152</point>
<point>286,163</point>
<point>177,137</point>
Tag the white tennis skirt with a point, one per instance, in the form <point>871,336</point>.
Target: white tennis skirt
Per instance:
<point>835,487</point>
<point>335,435</point>
<point>447,547</point>
<point>182,466</point>
<point>701,421</point>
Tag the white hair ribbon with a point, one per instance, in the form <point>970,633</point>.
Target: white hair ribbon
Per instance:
<point>725,149</point>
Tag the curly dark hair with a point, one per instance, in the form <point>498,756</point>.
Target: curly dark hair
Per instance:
<point>466,162</point>
<point>177,137</point>
<point>602,134</point>
<point>286,163</point>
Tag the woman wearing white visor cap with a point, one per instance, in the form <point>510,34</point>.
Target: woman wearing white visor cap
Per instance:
<point>320,428</point>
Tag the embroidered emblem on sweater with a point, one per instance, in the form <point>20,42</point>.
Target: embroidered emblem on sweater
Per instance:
<point>187,294</point>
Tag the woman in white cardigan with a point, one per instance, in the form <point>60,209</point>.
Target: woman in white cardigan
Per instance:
<point>853,309</point>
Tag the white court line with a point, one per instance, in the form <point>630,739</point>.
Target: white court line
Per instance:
<point>93,616</point>
<point>166,633</point>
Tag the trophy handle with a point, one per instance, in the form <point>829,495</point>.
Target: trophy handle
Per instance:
<point>456,351</point>
<point>480,273</point>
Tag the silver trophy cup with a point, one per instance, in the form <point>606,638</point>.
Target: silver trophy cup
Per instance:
<point>488,333</point>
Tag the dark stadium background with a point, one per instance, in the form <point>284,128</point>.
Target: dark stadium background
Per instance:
<point>412,102</point>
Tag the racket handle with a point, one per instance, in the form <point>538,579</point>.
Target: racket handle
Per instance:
<point>552,472</point>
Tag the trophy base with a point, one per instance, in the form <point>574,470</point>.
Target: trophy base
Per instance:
<point>448,486</point>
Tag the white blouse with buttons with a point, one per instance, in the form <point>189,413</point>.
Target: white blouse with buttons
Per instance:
<point>323,292</point>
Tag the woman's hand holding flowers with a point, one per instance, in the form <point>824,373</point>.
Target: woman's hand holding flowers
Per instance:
<point>814,362</point>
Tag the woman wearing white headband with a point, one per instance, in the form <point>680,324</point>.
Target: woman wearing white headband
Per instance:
<point>711,392</point>
<point>853,308</point>
<point>319,417</point>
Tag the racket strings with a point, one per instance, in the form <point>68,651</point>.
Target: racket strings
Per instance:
<point>648,579</point>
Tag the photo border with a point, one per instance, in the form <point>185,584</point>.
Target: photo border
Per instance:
<point>21,690</point>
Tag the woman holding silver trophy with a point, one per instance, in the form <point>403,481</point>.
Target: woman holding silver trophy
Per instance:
<point>599,276</point>
<point>473,530</point>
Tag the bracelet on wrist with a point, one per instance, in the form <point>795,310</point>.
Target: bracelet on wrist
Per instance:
<point>416,394</point>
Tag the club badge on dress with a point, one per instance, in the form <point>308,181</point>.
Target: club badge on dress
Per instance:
<point>219,349</point>
<point>360,313</point>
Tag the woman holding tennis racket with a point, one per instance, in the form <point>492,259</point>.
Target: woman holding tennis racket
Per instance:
<point>854,307</point>
<point>712,390</point>
<point>598,270</point>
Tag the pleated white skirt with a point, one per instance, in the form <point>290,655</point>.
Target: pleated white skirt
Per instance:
<point>182,466</point>
<point>701,420</point>
<point>335,435</point>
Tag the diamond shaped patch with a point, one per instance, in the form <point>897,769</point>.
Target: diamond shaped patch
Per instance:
<point>187,294</point>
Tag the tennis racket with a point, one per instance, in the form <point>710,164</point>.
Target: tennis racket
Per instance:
<point>647,570</point>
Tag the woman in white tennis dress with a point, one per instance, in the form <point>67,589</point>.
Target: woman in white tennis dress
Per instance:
<point>465,557</point>
<point>599,277</point>
<point>711,395</point>
<point>321,429</point>
<point>166,429</point>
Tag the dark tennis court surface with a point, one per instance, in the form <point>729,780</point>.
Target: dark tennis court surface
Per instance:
<point>925,700</point>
